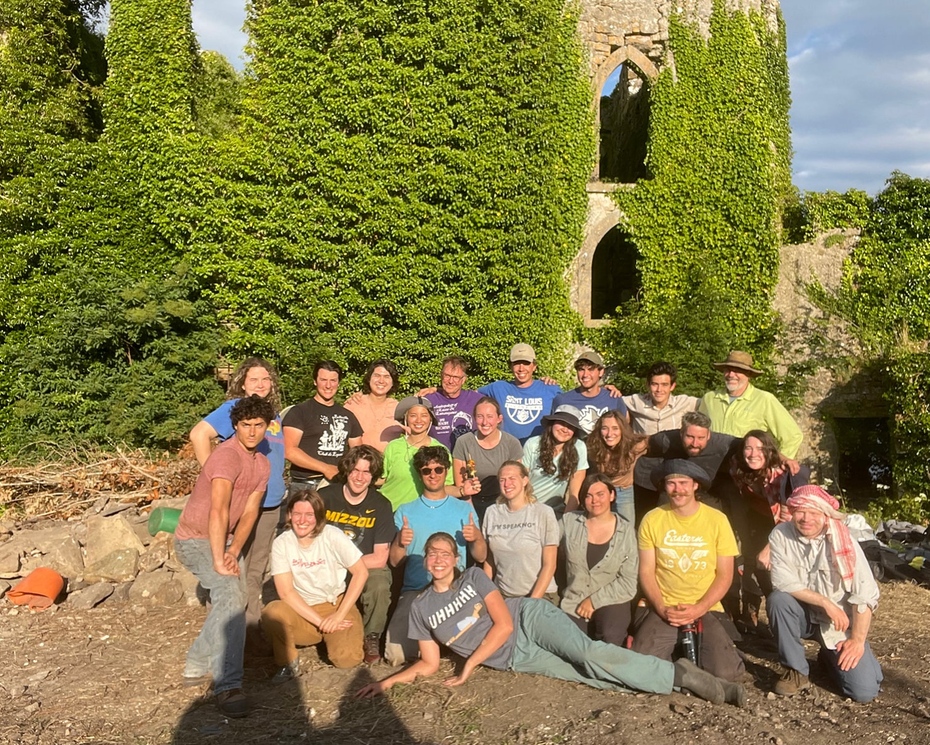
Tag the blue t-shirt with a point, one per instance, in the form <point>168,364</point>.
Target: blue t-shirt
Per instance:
<point>425,517</point>
<point>591,407</point>
<point>272,447</point>
<point>523,408</point>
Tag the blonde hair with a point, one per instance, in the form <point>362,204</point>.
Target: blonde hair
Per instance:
<point>524,472</point>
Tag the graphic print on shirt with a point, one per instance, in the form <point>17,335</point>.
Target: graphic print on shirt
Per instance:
<point>589,416</point>
<point>523,410</point>
<point>684,552</point>
<point>352,525</point>
<point>462,423</point>
<point>333,441</point>
<point>462,598</point>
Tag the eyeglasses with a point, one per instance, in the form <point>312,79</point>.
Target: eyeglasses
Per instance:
<point>453,378</point>
<point>439,555</point>
<point>427,470</point>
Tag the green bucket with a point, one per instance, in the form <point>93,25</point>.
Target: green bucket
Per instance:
<point>163,519</point>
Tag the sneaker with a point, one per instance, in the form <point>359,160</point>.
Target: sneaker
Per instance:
<point>290,671</point>
<point>233,703</point>
<point>372,648</point>
<point>791,682</point>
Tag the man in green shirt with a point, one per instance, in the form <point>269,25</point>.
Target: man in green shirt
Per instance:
<point>742,407</point>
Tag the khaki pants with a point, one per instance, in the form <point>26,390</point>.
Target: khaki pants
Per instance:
<point>289,630</point>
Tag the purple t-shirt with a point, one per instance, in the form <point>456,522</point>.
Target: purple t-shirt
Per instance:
<point>454,416</point>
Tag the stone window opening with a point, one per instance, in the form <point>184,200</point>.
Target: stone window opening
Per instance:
<point>615,277</point>
<point>623,108</point>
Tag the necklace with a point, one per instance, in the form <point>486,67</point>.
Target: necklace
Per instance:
<point>434,506</point>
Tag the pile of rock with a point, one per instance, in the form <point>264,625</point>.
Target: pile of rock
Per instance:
<point>106,555</point>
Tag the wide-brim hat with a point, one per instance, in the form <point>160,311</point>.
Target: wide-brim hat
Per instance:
<point>568,415</point>
<point>738,360</point>
<point>680,467</point>
<point>400,413</point>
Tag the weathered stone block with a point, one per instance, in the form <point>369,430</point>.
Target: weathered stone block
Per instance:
<point>108,534</point>
<point>158,588</point>
<point>90,596</point>
<point>121,565</point>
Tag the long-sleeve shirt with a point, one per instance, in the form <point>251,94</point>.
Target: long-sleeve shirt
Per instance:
<point>755,409</point>
<point>800,563</point>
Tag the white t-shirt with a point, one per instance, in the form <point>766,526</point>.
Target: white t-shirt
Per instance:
<point>319,570</point>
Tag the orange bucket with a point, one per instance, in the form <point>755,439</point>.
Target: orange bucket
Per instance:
<point>38,589</point>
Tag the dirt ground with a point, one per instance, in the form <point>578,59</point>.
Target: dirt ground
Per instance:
<point>112,675</point>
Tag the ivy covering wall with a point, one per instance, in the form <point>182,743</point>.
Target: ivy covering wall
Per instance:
<point>707,221</point>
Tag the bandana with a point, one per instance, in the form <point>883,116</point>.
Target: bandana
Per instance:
<point>841,545</point>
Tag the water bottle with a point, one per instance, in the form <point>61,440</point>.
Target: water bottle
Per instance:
<point>688,642</point>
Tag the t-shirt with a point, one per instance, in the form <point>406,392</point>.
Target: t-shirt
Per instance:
<point>425,517</point>
<point>326,432</point>
<point>487,462</point>
<point>686,550</point>
<point>402,482</point>
<point>523,408</point>
<point>319,570</point>
<point>248,473</point>
<point>591,407</point>
<point>272,447</point>
<point>516,540</point>
<point>458,618</point>
<point>454,416</point>
<point>367,523</point>
<point>547,488</point>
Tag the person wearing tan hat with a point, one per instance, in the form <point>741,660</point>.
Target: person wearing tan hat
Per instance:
<point>824,590</point>
<point>590,397</point>
<point>686,563</point>
<point>742,407</point>
<point>525,400</point>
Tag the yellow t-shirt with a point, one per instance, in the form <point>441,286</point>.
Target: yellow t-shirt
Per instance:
<point>686,550</point>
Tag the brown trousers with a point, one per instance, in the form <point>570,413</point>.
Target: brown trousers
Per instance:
<point>288,630</point>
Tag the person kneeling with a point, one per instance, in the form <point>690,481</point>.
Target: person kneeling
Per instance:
<point>467,613</point>
<point>686,553</point>
<point>309,563</point>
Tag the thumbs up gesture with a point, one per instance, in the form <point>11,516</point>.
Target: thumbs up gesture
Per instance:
<point>470,531</point>
<point>406,533</point>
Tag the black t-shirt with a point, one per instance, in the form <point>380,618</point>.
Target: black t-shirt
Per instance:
<point>366,524</point>
<point>326,432</point>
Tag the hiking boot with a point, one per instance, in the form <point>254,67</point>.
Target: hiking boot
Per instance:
<point>699,682</point>
<point>372,648</point>
<point>791,682</point>
<point>287,673</point>
<point>233,703</point>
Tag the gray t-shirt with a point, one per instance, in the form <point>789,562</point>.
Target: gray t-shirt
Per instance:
<point>516,540</point>
<point>487,462</point>
<point>458,618</point>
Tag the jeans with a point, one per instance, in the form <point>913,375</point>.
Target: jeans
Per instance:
<point>219,647</point>
<point>623,505</point>
<point>791,622</point>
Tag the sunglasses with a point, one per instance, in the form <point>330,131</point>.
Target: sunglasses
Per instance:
<point>427,470</point>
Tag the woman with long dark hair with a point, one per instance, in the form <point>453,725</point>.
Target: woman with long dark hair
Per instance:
<point>374,408</point>
<point>557,459</point>
<point>601,563</point>
<point>467,613</point>
<point>765,482</point>
<point>613,449</point>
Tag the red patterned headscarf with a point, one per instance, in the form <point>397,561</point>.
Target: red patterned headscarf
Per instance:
<point>813,497</point>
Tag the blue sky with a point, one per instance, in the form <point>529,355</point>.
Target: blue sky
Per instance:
<point>860,85</point>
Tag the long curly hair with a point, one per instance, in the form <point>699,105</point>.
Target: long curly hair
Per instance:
<point>236,387</point>
<point>568,460</point>
<point>617,460</point>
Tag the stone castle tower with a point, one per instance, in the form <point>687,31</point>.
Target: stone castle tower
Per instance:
<point>627,44</point>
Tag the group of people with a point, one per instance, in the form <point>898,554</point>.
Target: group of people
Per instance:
<point>584,534</point>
